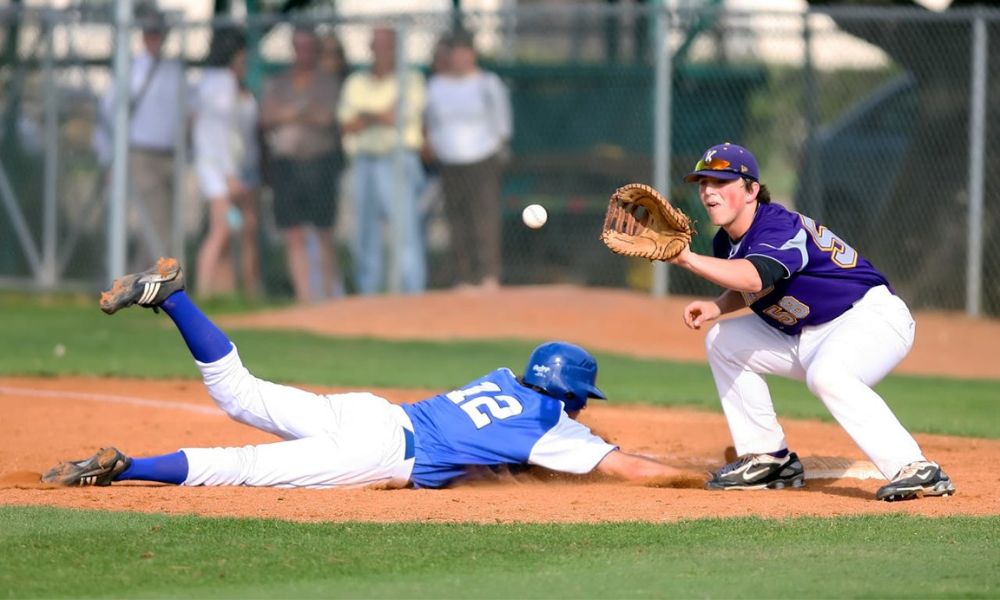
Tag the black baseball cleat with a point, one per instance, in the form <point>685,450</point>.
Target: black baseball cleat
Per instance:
<point>149,288</point>
<point>915,480</point>
<point>759,471</point>
<point>100,469</point>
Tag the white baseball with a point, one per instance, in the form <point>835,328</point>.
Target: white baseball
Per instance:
<point>534,215</point>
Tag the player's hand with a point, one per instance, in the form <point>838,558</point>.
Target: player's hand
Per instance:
<point>700,312</point>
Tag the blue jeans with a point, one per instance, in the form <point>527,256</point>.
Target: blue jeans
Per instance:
<point>377,195</point>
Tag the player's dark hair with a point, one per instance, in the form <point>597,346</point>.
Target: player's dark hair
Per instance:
<point>763,196</point>
<point>226,43</point>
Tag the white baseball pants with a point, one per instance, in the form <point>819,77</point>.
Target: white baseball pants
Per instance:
<point>840,361</point>
<point>337,440</point>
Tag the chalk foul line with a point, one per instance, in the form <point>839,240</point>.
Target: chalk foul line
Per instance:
<point>110,398</point>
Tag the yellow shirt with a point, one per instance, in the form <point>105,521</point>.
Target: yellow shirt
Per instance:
<point>366,93</point>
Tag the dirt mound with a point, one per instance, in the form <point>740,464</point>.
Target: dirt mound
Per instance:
<point>947,344</point>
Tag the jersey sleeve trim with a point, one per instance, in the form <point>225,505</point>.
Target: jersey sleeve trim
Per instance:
<point>796,244</point>
<point>784,267</point>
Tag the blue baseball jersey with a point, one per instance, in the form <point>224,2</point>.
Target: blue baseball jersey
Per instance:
<point>496,421</point>
<point>824,276</point>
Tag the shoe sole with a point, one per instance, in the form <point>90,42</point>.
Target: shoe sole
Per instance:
<point>116,298</point>
<point>796,482</point>
<point>942,488</point>
<point>72,473</point>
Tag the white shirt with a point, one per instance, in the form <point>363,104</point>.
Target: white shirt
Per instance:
<point>468,118</point>
<point>570,447</point>
<point>155,117</point>
<point>224,133</point>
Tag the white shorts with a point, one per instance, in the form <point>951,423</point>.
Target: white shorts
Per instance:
<point>211,182</point>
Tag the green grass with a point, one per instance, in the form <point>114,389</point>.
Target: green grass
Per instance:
<point>47,552</point>
<point>51,552</point>
<point>140,344</point>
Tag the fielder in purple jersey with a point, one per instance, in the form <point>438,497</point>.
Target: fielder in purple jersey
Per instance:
<point>823,315</point>
<point>359,439</point>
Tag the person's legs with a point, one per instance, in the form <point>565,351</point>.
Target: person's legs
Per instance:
<point>324,172</point>
<point>212,247</point>
<point>367,247</point>
<point>368,442</point>
<point>290,215</point>
<point>740,352</point>
<point>458,210</point>
<point>298,262</point>
<point>365,431</point>
<point>483,185</point>
<point>413,260</point>
<point>206,342</point>
<point>847,356</point>
<point>368,447</point>
<point>249,254</point>
<point>327,256</point>
<point>168,468</point>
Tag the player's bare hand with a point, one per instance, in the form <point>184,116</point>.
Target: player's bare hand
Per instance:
<point>700,312</point>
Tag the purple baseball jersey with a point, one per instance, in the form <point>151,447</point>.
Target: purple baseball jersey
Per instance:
<point>823,278</point>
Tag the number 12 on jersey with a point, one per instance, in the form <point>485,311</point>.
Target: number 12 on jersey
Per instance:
<point>474,399</point>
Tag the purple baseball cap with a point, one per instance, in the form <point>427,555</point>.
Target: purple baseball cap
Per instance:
<point>725,161</point>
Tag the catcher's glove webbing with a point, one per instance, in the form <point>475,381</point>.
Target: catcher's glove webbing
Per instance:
<point>641,222</point>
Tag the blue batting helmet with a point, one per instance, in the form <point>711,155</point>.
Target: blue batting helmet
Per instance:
<point>564,371</point>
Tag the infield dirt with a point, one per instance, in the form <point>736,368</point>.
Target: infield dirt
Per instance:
<point>44,421</point>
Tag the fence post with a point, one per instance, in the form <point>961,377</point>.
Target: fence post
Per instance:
<point>119,163</point>
<point>813,186</point>
<point>977,141</point>
<point>398,213</point>
<point>176,242</point>
<point>662,97</point>
<point>47,274</point>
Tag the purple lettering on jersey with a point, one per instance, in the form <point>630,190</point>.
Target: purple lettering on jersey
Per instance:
<point>824,275</point>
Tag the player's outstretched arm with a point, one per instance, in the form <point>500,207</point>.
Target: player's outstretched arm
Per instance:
<point>639,469</point>
<point>738,274</point>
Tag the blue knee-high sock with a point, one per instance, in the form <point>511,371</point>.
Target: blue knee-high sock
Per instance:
<point>206,341</point>
<point>169,468</point>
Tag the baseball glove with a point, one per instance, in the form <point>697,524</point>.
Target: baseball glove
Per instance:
<point>641,222</point>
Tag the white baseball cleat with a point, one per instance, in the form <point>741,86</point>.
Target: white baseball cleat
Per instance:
<point>915,480</point>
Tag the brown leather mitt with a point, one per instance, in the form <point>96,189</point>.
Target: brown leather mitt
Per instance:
<point>641,222</point>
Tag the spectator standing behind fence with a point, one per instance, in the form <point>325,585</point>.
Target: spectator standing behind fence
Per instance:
<point>469,125</point>
<point>227,164</point>
<point>155,116</point>
<point>298,115</point>
<point>386,169</point>
<point>332,59</point>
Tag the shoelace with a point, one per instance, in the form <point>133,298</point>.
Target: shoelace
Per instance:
<point>736,464</point>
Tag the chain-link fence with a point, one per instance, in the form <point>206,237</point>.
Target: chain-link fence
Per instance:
<point>881,124</point>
